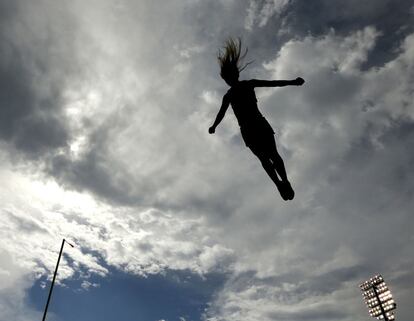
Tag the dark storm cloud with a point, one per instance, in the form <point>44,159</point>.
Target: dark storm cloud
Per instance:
<point>94,172</point>
<point>392,18</point>
<point>32,70</point>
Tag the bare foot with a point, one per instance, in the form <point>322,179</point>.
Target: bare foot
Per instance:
<point>290,193</point>
<point>282,190</point>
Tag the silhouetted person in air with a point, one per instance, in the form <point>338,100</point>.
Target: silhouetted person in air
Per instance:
<point>256,131</point>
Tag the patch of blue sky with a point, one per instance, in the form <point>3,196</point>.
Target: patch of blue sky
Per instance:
<point>120,296</point>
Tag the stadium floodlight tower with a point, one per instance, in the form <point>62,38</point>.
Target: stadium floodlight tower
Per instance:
<point>378,298</point>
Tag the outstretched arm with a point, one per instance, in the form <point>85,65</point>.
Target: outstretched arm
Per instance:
<point>277,83</point>
<point>224,105</point>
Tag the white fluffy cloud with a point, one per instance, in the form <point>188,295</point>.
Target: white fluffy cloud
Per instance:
<point>259,12</point>
<point>37,214</point>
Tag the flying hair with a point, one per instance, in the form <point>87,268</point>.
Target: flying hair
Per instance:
<point>231,57</point>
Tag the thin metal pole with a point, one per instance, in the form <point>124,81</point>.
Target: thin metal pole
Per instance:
<point>53,281</point>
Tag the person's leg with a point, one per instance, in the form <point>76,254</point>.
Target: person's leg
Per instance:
<point>279,167</point>
<point>277,160</point>
<point>270,170</point>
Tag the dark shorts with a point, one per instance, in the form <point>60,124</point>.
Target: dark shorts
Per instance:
<point>258,134</point>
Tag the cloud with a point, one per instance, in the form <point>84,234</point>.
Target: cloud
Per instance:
<point>344,135</point>
<point>116,108</point>
<point>86,285</point>
<point>391,18</point>
<point>35,61</point>
<point>37,215</point>
<point>14,282</point>
<point>259,12</point>
<point>74,82</point>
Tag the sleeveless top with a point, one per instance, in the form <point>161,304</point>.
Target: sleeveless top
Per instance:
<point>244,103</point>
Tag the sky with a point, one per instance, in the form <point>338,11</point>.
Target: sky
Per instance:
<point>104,114</point>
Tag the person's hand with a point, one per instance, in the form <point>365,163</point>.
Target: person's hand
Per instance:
<point>211,130</point>
<point>299,81</point>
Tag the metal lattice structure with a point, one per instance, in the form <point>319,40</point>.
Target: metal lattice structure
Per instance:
<point>378,298</point>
